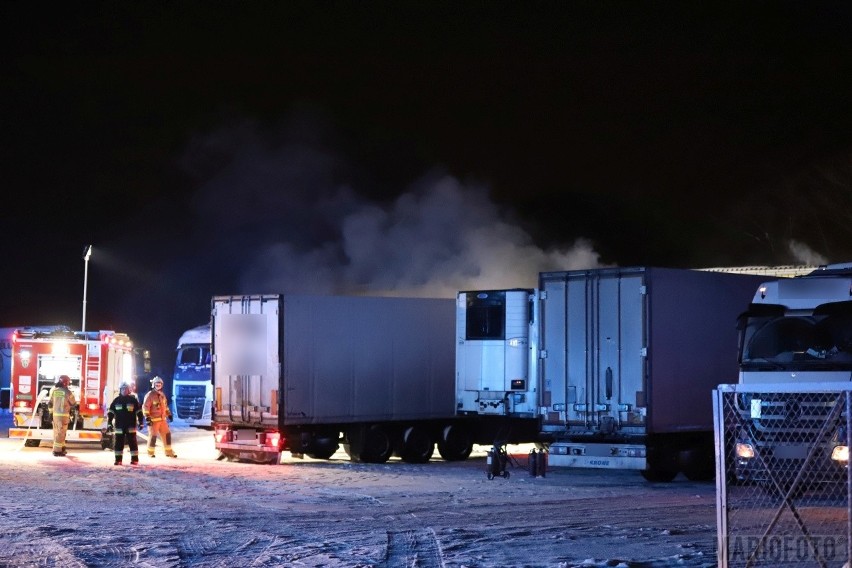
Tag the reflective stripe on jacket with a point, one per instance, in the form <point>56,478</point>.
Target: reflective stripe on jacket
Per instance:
<point>61,401</point>
<point>156,406</point>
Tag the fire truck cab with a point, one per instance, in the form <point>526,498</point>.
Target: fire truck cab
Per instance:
<point>97,362</point>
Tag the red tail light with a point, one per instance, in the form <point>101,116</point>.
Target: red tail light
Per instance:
<point>222,435</point>
<point>273,439</point>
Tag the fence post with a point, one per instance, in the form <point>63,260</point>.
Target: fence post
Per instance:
<point>848,483</point>
<point>721,478</point>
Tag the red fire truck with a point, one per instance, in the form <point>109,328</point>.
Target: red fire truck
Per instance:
<point>97,363</point>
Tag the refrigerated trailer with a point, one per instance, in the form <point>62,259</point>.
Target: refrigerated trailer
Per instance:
<point>306,374</point>
<point>619,363</point>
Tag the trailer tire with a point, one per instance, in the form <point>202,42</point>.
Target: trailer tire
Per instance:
<point>455,443</point>
<point>377,445</point>
<point>697,465</point>
<point>417,445</point>
<point>370,444</point>
<point>659,475</point>
<point>322,448</point>
<point>32,443</point>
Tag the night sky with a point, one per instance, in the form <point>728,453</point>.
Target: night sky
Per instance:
<point>407,148</point>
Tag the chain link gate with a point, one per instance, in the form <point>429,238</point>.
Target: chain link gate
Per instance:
<point>783,486</point>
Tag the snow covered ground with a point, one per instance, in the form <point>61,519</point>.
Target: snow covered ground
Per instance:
<point>194,511</point>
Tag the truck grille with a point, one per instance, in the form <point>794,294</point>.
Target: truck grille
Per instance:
<point>189,401</point>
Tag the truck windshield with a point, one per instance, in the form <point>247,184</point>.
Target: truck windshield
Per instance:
<point>819,340</point>
<point>194,355</point>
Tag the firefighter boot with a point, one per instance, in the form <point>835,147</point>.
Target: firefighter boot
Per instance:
<point>134,460</point>
<point>152,444</point>
<point>117,461</point>
<point>168,442</point>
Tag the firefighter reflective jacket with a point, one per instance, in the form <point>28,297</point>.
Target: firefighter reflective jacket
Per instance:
<point>61,402</point>
<point>156,407</point>
<point>126,411</point>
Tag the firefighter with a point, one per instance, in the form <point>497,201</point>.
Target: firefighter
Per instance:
<point>61,402</point>
<point>125,411</point>
<point>156,410</point>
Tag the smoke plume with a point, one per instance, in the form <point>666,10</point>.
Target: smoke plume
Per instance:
<point>306,227</point>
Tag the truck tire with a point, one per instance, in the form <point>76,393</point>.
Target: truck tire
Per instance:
<point>697,464</point>
<point>370,444</point>
<point>662,465</point>
<point>322,448</point>
<point>417,445</point>
<point>659,475</point>
<point>455,443</point>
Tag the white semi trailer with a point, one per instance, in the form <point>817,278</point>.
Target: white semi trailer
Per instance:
<point>619,363</point>
<point>306,374</point>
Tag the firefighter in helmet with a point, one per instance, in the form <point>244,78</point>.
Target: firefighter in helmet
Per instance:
<point>62,401</point>
<point>125,412</point>
<point>156,410</point>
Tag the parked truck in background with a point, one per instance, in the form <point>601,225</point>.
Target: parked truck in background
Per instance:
<point>307,374</point>
<point>619,362</point>
<point>796,332</point>
<point>192,384</point>
<point>97,362</point>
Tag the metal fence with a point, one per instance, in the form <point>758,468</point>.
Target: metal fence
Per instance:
<point>783,485</point>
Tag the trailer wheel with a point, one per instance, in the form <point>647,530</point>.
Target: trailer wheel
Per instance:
<point>659,475</point>
<point>697,465</point>
<point>417,445</point>
<point>455,443</point>
<point>322,448</point>
<point>32,443</point>
<point>377,445</point>
<point>368,444</point>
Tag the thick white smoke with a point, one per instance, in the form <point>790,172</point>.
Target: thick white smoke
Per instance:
<point>306,228</point>
<point>805,254</point>
<point>432,241</point>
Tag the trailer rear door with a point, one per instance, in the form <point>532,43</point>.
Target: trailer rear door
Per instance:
<point>595,338</point>
<point>246,359</point>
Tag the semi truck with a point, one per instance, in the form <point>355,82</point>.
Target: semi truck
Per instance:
<point>619,363</point>
<point>795,356</point>
<point>375,375</point>
<point>192,384</point>
<point>97,362</point>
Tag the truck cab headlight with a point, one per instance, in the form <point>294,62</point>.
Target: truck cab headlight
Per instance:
<point>840,453</point>
<point>744,451</point>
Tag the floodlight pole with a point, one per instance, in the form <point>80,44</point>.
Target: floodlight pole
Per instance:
<point>86,255</point>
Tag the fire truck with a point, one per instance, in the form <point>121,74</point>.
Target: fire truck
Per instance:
<point>97,362</point>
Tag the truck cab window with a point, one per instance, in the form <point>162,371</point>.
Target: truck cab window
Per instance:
<point>191,356</point>
<point>781,338</point>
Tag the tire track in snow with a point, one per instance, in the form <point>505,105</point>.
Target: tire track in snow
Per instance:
<point>413,549</point>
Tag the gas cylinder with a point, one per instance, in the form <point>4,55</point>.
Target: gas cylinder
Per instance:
<point>541,463</point>
<point>532,463</point>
